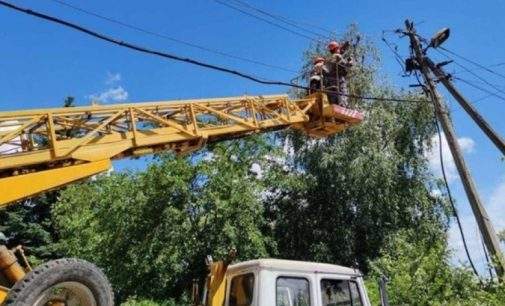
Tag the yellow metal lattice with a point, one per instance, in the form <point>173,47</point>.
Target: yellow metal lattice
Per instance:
<point>47,145</point>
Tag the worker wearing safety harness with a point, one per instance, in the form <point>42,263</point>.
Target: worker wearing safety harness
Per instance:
<point>338,67</point>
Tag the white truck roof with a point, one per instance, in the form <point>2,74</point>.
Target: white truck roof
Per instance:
<point>293,265</point>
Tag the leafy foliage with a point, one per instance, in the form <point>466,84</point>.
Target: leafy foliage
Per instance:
<point>144,302</point>
<point>363,197</point>
<point>501,235</point>
<point>29,224</point>
<point>420,273</point>
<point>151,231</point>
<point>346,194</point>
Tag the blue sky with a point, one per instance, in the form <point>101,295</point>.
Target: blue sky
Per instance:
<point>41,63</point>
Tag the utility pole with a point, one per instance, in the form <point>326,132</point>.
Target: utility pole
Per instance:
<point>483,221</point>
<point>471,111</point>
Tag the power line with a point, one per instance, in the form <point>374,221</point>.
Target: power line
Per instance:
<point>265,20</point>
<point>497,85</point>
<point>136,47</point>
<point>480,88</point>
<point>473,62</point>
<point>299,22</point>
<point>182,59</point>
<point>481,78</point>
<point>451,201</point>
<point>492,94</point>
<point>166,37</point>
<point>440,114</point>
<point>479,69</point>
<point>397,56</point>
<point>474,74</point>
<point>482,98</point>
<point>486,255</point>
<point>280,18</point>
<point>304,23</point>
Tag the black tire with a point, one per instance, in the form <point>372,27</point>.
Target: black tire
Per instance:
<point>63,277</point>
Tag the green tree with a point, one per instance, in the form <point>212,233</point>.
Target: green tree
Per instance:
<point>150,231</point>
<point>346,194</point>
<point>362,197</point>
<point>420,273</point>
<point>29,223</point>
<point>501,235</point>
<point>140,302</point>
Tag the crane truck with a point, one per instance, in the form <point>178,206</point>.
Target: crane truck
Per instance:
<point>46,149</point>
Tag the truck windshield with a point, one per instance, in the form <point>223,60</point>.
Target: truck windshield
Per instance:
<point>339,292</point>
<point>241,290</point>
<point>292,291</point>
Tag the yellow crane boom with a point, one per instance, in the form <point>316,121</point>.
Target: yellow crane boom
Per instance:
<point>44,149</point>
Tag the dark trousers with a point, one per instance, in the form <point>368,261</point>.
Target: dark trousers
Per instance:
<point>338,92</point>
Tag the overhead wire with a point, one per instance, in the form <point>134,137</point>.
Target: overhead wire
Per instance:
<point>472,62</point>
<point>397,56</point>
<point>183,59</point>
<point>169,38</point>
<point>481,81</point>
<point>447,187</point>
<point>265,20</point>
<point>490,93</point>
<point>280,18</point>
<point>456,214</point>
<point>484,97</point>
<point>486,256</point>
<point>479,69</point>
<point>474,74</point>
<point>299,22</point>
<point>308,24</point>
<point>451,200</point>
<point>446,183</point>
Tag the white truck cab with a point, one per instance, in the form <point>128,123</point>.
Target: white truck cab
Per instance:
<point>276,282</point>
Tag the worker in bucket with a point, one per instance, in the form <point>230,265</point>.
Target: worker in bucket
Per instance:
<point>317,74</point>
<point>338,68</point>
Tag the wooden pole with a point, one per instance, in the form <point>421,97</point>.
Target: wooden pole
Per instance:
<point>483,221</point>
<point>471,111</point>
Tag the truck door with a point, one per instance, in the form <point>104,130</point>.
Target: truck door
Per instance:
<point>241,290</point>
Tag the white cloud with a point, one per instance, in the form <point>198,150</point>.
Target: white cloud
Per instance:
<point>14,145</point>
<point>112,78</point>
<point>473,241</point>
<point>288,148</point>
<point>208,156</point>
<point>494,204</point>
<point>494,207</point>
<point>256,170</point>
<point>115,94</point>
<point>467,146</point>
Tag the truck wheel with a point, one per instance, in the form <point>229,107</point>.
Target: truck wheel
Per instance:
<point>62,282</point>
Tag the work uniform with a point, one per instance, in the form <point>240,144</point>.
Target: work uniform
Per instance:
<point>316,82</point>
<point>336,80</point>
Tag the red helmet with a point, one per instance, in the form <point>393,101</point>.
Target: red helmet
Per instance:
<point>319,59</point>
<point>333,46</point>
